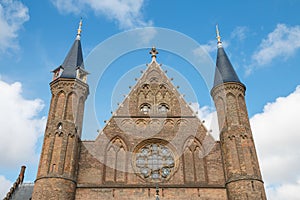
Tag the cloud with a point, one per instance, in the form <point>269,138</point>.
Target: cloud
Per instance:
<point>13,14</point>
<point>279,123</point>
<point>209,47</point>
<point>239,33</point>
<point>282,42</point>
<point>286,191</point>
<point>4,186</point>
<point>276,133</point>
<point>20,126</point>
<point>128,14</point>
<point>209,116</point>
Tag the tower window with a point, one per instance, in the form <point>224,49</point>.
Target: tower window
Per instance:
<point>146,86</point>
<point>163,108</point>
<point>145,108</point>
<point>57,72</point>
<point>59,126</point>
<point>81,74</point>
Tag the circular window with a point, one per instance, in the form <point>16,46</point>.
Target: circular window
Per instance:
<point>154,162</point>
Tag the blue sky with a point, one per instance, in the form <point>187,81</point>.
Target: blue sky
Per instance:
<point>262,39</point>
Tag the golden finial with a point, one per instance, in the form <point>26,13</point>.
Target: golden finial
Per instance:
<point>218,36</point>
<point>79,29</point>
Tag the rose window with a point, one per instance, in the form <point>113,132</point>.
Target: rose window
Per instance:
<point>154,162</point>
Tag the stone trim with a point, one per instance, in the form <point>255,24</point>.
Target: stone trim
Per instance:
<point>57,177</point>
<point>204,186</point>
<point>245,178</point>
<point>227,86</point>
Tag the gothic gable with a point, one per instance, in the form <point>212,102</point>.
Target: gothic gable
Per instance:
<point>154,95</point>
<point>152,137</point>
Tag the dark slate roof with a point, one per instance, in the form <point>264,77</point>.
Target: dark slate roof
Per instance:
<point>73,61</point>
<point>23,192</point>
<point>224,70</point>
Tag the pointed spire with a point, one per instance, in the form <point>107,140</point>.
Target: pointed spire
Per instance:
<point>79,30</point>
<point>218,37</point>
<point>153,53</point>
<point>224,70</point>
<point>74,58</point>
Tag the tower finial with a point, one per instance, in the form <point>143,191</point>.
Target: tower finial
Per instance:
<point>218,36</point>
<point>153,53</point>
<point>79,30</point>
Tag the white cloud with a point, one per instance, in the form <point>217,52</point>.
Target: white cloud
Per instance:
<point>209,47</point>
<point>13,14</point>
<point>282,42</point>
<point>128,14</point>
<point>239,33</point>
<point>277,134</point>
<point>209,116</point>
<point>4,186</point>
<point>286,191</point>
<point>20,126</point>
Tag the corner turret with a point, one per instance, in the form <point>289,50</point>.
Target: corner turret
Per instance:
<point>59,158</point>
<point>242,173</point>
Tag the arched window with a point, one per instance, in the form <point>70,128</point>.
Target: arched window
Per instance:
<point>59,126</point>
<point>193,161</point>
<point>145,108</point>
<point>115,166</point>
<point>163,108</point>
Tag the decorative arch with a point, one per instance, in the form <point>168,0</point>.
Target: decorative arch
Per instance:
<point>59,105</point>
<point>169,124</point>
<point>194,163</point>
<point>153,76</point>
<point>222,112</point>
<point>71,107</point>
<point>242,110</point>
<point>115,161</point>
<point>232,109</point>
<point>145,93</point>
<point>180,126</point>
<point>79,115</point>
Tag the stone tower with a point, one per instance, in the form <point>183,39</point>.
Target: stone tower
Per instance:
<point>242,174</point>
<point>57,172</point>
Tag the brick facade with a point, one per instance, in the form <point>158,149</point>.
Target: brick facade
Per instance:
<point>189,163</point>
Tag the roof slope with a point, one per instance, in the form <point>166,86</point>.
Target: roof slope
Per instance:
<point>24,191</point>
<point>224,71</point>
<point>73,60</point>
